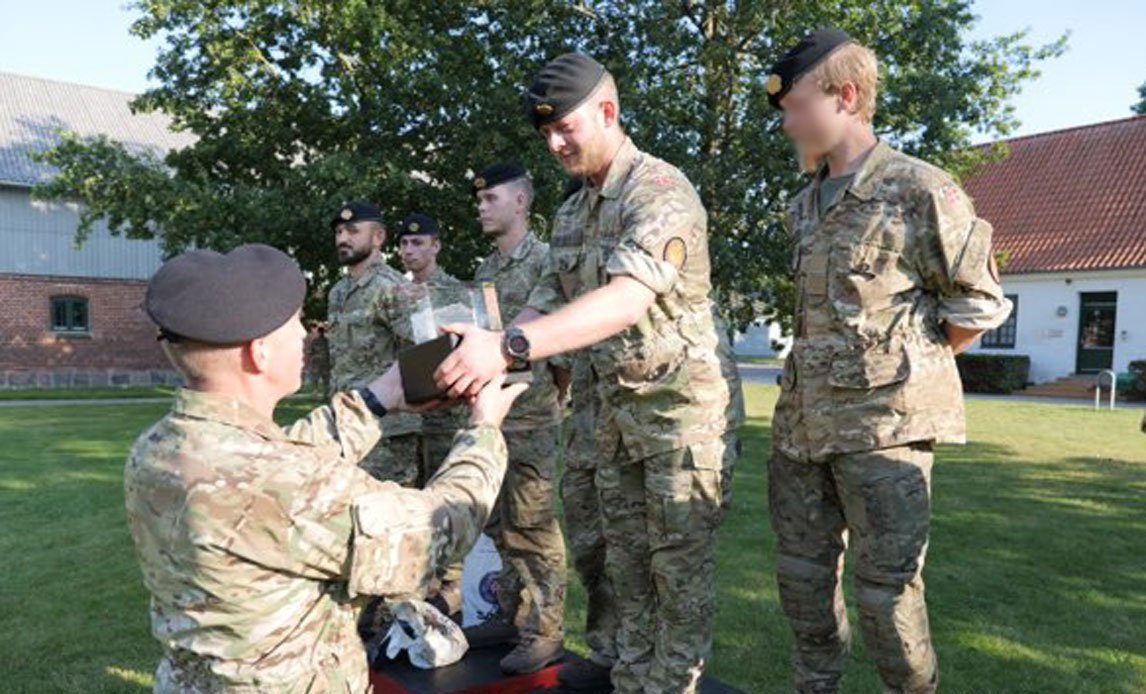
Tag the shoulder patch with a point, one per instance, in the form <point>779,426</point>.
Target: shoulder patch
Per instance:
<point>675,253</point>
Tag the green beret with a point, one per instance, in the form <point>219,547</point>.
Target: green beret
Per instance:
<point>356,212</point>
<point>495,175</point>
<point>416,224</point>
<point>225,299</point>
<point>562,86</point>
<point>804,56</point>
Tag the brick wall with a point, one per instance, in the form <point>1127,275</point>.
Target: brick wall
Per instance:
<point>120,348</point>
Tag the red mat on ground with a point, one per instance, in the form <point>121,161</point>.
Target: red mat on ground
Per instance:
<point>479,673</point>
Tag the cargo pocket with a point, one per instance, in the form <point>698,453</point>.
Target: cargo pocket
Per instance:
<point>873,368</point>
<point>394,546</point>
<point>530,500</point>
<point>696,503</point>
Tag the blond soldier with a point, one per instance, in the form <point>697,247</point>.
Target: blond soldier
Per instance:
<point>895,275</point>
<point>362,342</point>
<point>531,588</point>
<point>634,288</point>
<point>258,544</point>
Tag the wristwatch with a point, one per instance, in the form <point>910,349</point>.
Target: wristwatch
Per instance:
<point>372,402</point>
<point>517,346</point>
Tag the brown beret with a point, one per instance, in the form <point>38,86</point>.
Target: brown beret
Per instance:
<point>225,299</point>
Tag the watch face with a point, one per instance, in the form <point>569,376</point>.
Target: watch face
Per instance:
<point>518,344</point>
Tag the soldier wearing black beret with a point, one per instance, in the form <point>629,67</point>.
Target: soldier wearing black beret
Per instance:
<point>259,544</point>
<point>419,242</point>
<point>894,276</point>
<point>628,273</point>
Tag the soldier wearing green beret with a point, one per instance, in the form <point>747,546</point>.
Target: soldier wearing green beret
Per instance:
<point>259,544</point>
<point>628,278</point>
<point>895,275</point>
<point>531,587</point>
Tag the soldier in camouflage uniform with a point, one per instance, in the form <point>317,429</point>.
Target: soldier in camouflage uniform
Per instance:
<point>531,588</point>
<point>419,241</point>
<point>628,279</point>
<point>318,361</point>
<point>362,341</point>
<point>895,275</point>
<point>257,543</point>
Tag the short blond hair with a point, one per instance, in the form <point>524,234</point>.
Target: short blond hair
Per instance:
<point>853,63</point>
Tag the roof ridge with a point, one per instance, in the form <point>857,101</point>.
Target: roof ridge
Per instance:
<point>1073,128</point>
<point>5,73</point>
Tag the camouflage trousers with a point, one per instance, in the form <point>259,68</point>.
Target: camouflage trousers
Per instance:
<point>523,525</point>
<point>661,515</point>
<point>586,537</point>
<point>881,500</point>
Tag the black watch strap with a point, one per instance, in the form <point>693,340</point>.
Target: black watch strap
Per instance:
<point>372,402</point>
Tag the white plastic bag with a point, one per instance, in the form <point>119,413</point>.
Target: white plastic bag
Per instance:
<point>430,639</point>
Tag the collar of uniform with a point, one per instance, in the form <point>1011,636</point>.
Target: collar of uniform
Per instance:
<point>519,251</point>
<point>867,178</point>
<point>368,273</point>
<point>618,169</point>
<point>225,410</point>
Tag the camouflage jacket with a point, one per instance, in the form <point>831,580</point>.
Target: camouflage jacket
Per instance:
<point>363,343</point>
<point>897,254</point>
<point>514,276</point>
<point>255,541</point>
<point>660,380</point>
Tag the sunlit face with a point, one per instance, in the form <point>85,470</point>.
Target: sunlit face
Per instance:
<point>419,252</point>
<point>578,140</point>
<point>355,241</point>
<point>497,207</point>
<point>284,352</point>
<point>815,120</point>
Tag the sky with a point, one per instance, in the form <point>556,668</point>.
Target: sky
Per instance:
<point>87,42</point>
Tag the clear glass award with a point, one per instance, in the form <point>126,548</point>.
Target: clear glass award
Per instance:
<point>431,306</point>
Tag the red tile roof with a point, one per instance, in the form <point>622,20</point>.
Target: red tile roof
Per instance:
<point>1070,199</point>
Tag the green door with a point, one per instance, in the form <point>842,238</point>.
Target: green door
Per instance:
<point>1096,320</point>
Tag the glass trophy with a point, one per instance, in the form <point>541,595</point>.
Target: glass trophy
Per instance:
<point>430,306</point>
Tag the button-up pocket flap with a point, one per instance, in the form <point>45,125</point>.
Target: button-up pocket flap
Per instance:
<point>873,368</point>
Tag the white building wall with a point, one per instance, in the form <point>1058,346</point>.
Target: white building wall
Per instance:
<point>38,238</point>
<point>1051,339</point>
<point>759,341</point>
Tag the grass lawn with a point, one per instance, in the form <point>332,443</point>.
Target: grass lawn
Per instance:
<point>1036,577</point>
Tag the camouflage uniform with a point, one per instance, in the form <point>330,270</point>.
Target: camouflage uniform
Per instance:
<point>318,364</point>
<point>439,426</point>
<point>662,413</point>
<point>582,507</point>
<point>531,588</point>
<point>363,344</point>
<point>259,544</point>
<point>869,386</point>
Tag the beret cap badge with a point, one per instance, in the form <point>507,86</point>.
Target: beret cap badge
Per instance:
<point>479,183</point>
<point>347,213</point>
<point>774,84</point>
<point>414,226</point>
<point>543,109</point>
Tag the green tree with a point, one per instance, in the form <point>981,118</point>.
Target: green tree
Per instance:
<point>1140,107</point>
<point>302,104</point>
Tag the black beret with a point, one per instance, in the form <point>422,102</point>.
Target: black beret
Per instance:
<point>804,56</point>
<point>561,86</point>
<point>417,223</point>
<point>225,299</point>
<point>496,174</point>
<point>356,212</point>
